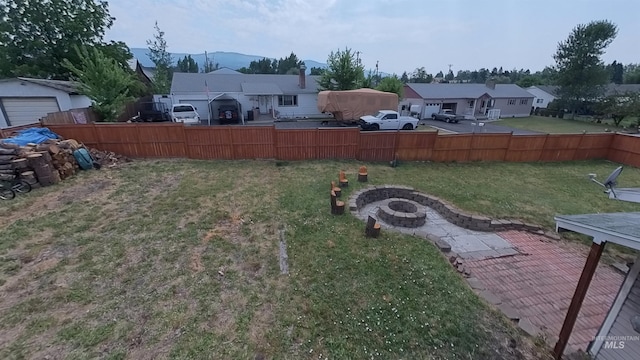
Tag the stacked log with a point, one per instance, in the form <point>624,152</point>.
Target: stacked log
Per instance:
<point>7,155</point>
<point>49,162</point>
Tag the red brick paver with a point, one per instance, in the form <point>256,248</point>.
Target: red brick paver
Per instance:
<point>541,283</point>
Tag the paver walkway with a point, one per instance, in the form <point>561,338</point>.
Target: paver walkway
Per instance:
<point>541,281</point>
<point>532,277</point>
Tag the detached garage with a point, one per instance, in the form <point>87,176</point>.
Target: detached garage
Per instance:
<point>24,101</point>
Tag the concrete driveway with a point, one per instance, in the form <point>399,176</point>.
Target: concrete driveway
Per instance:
<point>467,127</point>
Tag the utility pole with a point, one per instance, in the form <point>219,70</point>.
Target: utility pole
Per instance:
<point>377,74</point>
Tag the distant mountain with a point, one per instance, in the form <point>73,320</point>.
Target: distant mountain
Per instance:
<point>223,59</point>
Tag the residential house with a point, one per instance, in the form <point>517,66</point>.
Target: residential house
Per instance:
<point>474,101</point>
<point>267,96</point>
<point>543,95</point>
<point>25,101</point>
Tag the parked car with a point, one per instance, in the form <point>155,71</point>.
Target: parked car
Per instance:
<point>153,112</point>
<point>228,114</point>
<point>388,120</point>
<point>185,113</point>
<point>447,115</point>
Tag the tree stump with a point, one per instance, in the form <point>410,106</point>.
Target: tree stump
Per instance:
<point>336,189</point>
<point>42,169</point>
<point>373,228</point>
<point>337,207</point>
<point>343,181</point>
<point>362,174</point>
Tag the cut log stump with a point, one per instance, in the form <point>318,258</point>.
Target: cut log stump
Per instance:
<point>337,206</point>
<point>373,228</point>
<point>43,170</point>
<point>336,189</point>
<point>362,174</point>
<point>343,181</point>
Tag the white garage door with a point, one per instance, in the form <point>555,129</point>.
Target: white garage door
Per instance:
<point>23,111</point>
<point>201,107</point>
<point>430,108</point>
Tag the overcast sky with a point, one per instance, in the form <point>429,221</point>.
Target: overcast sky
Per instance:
<point>401,34</point>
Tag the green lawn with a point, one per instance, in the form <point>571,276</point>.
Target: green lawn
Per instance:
<point>555,125</point>
<point>179,259</point>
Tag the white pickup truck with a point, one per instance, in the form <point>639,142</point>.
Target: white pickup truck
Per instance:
<point>388,120</point>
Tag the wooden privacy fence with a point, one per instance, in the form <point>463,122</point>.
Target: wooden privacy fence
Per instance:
<point>266,142</point>
<point>73,116</point>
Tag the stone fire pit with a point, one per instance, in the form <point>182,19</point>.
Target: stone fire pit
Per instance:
<point>402,212</point>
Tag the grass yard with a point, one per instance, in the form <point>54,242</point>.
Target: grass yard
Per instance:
<point>555,125</point>
<point>179,259</point>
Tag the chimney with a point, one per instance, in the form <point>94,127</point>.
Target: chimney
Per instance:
<point>491,84</point>
<point>302,77</point>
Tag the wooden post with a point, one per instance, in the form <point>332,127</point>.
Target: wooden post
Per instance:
<point>373,227</point>
<point>362,174</point>
<point>578,296</point>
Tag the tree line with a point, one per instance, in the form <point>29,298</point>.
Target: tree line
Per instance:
<point>35,41</point>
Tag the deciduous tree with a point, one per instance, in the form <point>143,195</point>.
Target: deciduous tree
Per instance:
<point>162,59</point>
<point>35,36</point>
<point>581,72</point>
<point>420,75</point>
<point>344,72</point>
<point>391,84</point>
<point>104,81</point>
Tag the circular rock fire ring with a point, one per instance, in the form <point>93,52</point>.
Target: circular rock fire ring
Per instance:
<point>402,212</point>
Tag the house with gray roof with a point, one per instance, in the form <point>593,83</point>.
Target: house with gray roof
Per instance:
<point>25,101</point>
<point>474,101</point>
<point>256,95</point>
<point>543,95</point>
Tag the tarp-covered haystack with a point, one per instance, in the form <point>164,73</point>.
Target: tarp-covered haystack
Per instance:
<point>350,105</point>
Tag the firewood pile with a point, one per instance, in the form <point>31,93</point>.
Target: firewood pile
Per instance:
<point>48,163</point>
<point>108,158</point>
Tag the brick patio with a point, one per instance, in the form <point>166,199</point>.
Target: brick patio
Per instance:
<point>541,282</point>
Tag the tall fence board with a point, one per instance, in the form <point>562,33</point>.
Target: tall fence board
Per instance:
<point>161,140</point>
<point>525,148</point>
<point>449,148</point>
<point>207,143</point>
<point>377,146</point>
<point>337,143</point>
<point>625,149</point>
<point>266,142</point>
<point>416,146</point>
<point>489,147</point>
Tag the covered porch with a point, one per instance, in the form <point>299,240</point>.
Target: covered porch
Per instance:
<point>623,321</point>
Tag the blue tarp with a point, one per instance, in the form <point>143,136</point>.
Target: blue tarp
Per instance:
<point>32,135</point>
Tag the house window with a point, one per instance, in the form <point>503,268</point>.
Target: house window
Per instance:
<point>524,101</point>
<point>539,101</point>
<point>512,101</point>
<point>287,100</point>
<point>483,103</point>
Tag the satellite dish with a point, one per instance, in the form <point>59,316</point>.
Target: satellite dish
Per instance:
<point>611,180</point>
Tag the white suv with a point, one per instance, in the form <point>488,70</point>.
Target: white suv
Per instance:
<point>184,113</point>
